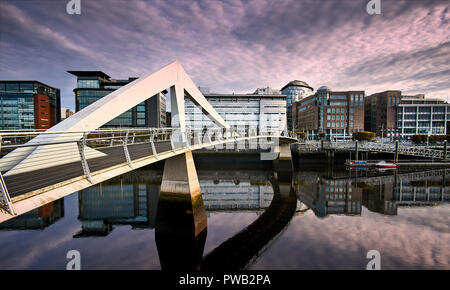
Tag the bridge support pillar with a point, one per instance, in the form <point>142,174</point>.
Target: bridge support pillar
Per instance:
<point>180,182</point>
<point>283,165</point>
<point>181,225</point>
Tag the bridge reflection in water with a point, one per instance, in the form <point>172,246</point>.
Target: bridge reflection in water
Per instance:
<point>180,221</point>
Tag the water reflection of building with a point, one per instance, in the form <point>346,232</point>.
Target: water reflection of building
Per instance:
<point>227,195</point>
<point>104,205</point>
<point>379,198</point>
<point>421,193</point>
<point>36,219</point>
<point>124,202</point>
<point>381,194</point>
<point>327,196</point>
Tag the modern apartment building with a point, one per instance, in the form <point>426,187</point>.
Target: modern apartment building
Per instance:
<point>94,85</point>
<point>262,112</point>
<point>294,91</point>
<point>28,105</point>
<point>420,115</point>
<point>337,114</point>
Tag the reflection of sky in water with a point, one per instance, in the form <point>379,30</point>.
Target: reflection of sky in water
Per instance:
<point>341,242</point>
<point>416,238</point>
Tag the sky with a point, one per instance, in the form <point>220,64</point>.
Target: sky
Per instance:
<point>233,45</point>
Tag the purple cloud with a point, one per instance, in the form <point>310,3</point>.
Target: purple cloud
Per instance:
<point>233,45</point>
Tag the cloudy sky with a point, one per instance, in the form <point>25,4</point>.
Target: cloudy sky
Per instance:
<point>233,45</point>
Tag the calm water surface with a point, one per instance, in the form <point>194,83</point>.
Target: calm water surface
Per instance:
<point>330,220</point>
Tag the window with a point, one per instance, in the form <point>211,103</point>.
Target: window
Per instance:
<point>12,86</point>
<point>424,109</point>
<point>26,87</point>
<point>88,84</point>
<point>333,111</point>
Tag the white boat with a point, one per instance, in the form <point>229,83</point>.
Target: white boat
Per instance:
<point>384,164</point>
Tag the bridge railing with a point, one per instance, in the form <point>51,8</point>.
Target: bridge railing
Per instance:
<point>375,147</point>
<point>27,151</point>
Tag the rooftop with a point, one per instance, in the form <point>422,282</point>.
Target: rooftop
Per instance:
<point>89,73</point>
<point>297,83</point>
<point>212,95</point>
<point>27,81</point>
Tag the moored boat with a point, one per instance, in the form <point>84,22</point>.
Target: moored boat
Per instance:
<point>355,162</point>
<point>384,164</point>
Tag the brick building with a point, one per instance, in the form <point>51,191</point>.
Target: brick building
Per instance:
<point>380,112</point>
<point>337,114</point>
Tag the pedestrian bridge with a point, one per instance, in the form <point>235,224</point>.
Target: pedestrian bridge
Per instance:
<point>409,150</point>
<point>38,167</point>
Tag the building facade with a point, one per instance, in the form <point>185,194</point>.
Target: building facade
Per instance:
<point>380,112</point>
<point>337,114</point>
<point>294,91</point>
<point>94,85</point>
<point>243,111</point>
<point>417,115</point>
<point>28,105</point>
<point>266,91</point>
<point>393,115</point>
<point>66,113</point>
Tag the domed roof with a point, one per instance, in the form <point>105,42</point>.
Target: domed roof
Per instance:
<point>297,83</point>
<point>324,88</point>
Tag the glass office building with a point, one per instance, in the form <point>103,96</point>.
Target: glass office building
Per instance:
<point>94,85</point>
<point>28,105</point>
<point>418,115</point>
<point>295,91</point>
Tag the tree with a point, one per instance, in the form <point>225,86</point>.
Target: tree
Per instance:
<point>301,135</point>
<point>422,138</point>
<point>363,135</point>
<point>417,139</point>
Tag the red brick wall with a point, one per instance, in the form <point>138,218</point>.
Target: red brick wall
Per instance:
<point>42,112</point>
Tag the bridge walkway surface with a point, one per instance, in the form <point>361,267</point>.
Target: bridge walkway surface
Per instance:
<point>22,183</point>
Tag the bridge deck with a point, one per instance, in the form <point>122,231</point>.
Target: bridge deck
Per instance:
<point>22,183</point>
